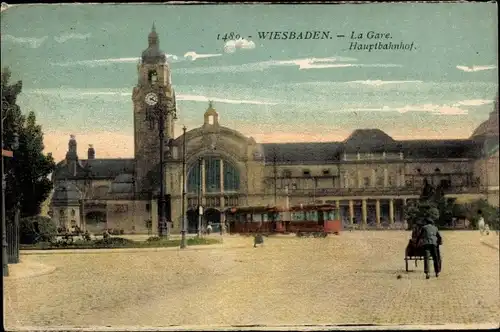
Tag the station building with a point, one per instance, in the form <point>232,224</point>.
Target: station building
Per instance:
<point>370,176</point>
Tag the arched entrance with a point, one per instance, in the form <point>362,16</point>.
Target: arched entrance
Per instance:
<point>192,217</point>
<point>212,217</point>
<point>95,221</point>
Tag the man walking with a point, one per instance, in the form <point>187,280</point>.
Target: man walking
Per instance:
<point>480,222</point>
<point>431,239</point>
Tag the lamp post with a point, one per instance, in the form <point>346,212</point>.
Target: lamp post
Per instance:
<point>6,108</point>
<point>184,226</point>
<point>161,105</point>
<point>200,189</point>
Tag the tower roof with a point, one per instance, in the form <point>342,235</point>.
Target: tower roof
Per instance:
<point>153,54</point>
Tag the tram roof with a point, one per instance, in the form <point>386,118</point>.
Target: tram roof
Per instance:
<point>266,208</point>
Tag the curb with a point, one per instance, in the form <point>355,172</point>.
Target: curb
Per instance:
<point>490,245</point>
<point>35,270</point>
<point>116,250</point>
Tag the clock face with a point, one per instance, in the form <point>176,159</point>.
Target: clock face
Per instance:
<point>151,99</point>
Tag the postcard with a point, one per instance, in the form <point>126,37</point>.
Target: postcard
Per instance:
<point>250,166</point>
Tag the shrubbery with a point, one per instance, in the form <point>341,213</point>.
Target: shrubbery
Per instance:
<point>37,229</point>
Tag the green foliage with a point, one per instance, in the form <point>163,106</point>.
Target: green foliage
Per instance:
<point>26,173</point>
<point>37,229</point>
<point>117,242</point>
<point>201,241</point>
<point>470,212</point>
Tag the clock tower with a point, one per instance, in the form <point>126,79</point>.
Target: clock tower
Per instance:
<point>154,84</point>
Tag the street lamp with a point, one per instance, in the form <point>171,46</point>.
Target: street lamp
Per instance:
<point>200,189</point>
<point>6,108</point>
<point>183,231</point>
<point>160,106</point>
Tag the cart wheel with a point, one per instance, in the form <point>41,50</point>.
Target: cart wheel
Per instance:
<point>406,264</point>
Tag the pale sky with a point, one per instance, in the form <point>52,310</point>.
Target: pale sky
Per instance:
<point>78,66</point>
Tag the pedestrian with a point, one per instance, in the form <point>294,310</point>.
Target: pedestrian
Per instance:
<point>431,240</point>
<point>209,229</point>
<point>480,222</point>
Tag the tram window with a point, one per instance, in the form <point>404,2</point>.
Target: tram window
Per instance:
<point>264,217</point>
<point>257,218</point>
<point>312,215</point>
<point>330,215</point>
<point>298,216</point>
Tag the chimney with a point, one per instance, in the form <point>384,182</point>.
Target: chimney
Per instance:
<point>91,152</point>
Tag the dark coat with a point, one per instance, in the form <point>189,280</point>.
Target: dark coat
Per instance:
<point>430,235</point>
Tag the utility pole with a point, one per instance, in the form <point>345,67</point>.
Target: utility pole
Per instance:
<point>6,107</point>
<point>200,189</point>
<point>275,178</point>
<point>183,231</point>
<point>161,131</point>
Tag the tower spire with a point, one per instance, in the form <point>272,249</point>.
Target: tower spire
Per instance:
<point>153,29</point>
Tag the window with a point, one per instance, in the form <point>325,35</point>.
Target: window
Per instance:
<point>326,172</point>
<point>306,172</point>
<point>380,181</point>
<point>213,176</point>
<point>419,170</point>
<point>152,76</point>
<point>148,207</point>
<point>287,173</point>
<point>367,181</point>
<point>437,170</point>
<point>210,119</point>
<point>390,181</point>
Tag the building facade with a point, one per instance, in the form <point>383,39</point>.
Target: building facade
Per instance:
<point>369,176</point>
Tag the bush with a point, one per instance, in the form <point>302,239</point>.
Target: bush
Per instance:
<point>113,241</point>
<point>201,241</point>
<point>37,229</point>
<point>153,239</point>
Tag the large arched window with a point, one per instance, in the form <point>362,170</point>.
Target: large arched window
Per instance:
<point>213,179</point>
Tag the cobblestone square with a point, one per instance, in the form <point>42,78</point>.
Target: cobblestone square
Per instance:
<point>346,279</point>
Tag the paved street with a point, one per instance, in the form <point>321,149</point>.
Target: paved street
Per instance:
<point>346,279</point>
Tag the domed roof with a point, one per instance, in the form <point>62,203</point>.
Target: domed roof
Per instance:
<point>66,193</point>
<point>489,127</point>
<point>153,54</point>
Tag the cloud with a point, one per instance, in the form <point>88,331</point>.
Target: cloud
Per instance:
<point>105,62</point>
<point>31,42</point>
<point>68,36</point>
<point>426,108</point>
<point>240,44</point>
<point>306,63</point>
<point>332,62</point>
<point>222,100</point>
<point>475,68</point>
<point>193,55</point>
<point>119,93</point>
<point>473,102</point>
<point>380,82</point>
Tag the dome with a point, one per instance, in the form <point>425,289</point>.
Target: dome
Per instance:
<point>153,54</point>
<point>489,127</point>
<point>66,193</point>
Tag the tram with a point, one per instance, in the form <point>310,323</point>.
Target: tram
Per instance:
<point>301,219</point>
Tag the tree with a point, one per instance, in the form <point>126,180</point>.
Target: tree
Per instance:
<point>432,204</point>
<point>470,210</point>
<point>27,172</point>
<point>37,229</point>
